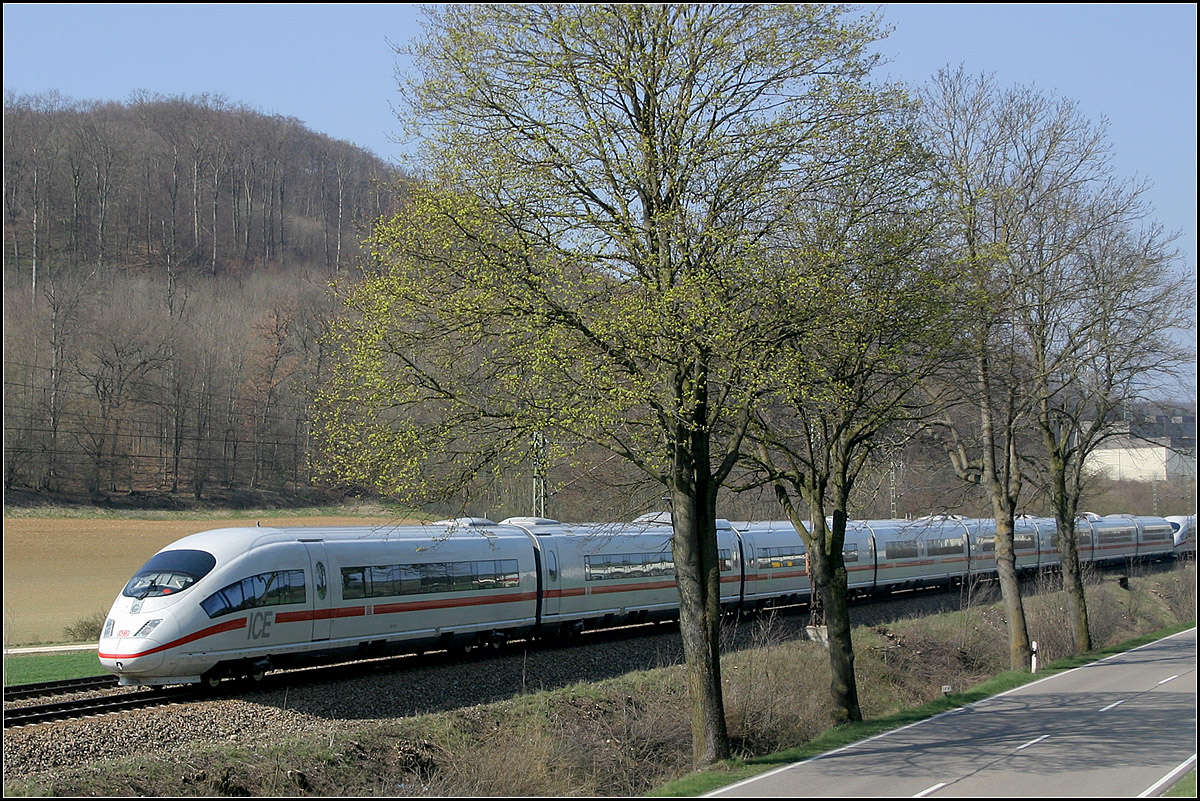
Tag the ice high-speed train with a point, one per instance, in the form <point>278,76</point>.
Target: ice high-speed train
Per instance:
<point>237,602</point>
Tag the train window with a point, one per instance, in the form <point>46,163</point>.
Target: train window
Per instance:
<point>1156,533</point>
<point>411,580</point>
<point>169,572</point>
<point>385,579</point>
<point>290,589</point>
<point>224,601</point>
<point>987,543</point>
<point>611,566</point>
<point>435,577</point>
<point>461,576</point>
<point>507,573</point>
<point>849,554</point>
<point>725,557</point>
<point>901,549</point>
<point>949,547</point>
<point>320,580</point>
<point>265,589</point>
<point>1112,536</point>
<point>382,581</point>
<point>353,582</point>
<point>781,557</point>
<point>1024,542</point>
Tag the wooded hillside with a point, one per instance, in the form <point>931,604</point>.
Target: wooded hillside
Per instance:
<point>165,268</point>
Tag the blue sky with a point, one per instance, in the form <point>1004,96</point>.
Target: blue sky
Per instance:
<point>332,66</point>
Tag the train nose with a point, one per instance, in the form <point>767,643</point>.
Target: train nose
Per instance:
<point>126,659</point>
<point>135,647</point>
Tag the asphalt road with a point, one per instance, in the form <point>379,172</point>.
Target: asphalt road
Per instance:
<point>1122,727</point>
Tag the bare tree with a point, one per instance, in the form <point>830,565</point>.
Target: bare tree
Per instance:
<point>1063,289</point>
<point>995,168</point>
<point>1095,296</point>
<point>179,186</point>
<point>118,353</point>
<point>879,316</point>
<point>32,144</point>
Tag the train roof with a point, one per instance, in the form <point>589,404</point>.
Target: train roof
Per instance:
<point>664,519</point>
<point>227,543</point>
<point>907,528</point>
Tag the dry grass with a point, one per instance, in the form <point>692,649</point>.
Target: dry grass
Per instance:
<point>776,693</point>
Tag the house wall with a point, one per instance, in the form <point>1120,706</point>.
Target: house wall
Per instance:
<point>1149,463</point>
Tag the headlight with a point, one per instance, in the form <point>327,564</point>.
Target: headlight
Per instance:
<point>108,627</point>
<point>147,627</point>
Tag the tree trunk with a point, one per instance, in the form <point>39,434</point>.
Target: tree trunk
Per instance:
<point>1081,636</point>
<point>1019,650</point>
<point>827,573</point>
<point>697,573</point>
<point>1002,477</point>
<point>843,686</point>
<point>1065,507</point>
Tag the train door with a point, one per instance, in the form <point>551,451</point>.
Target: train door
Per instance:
<point>750,583</point>
<point>858,555</point>
<point>551,584</point>
<point>322,594</point>
<point>1025,544</point>
<point>869,567</point>
<point>737,573</point>
<point>1047,540</point>
<point>1084,541</point>
<point>873,546</point>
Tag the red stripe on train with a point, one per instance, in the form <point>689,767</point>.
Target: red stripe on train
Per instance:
<point>220,628</point>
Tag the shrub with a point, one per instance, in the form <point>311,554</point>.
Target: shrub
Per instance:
<point>86,628</point>
<point>1177,589</point>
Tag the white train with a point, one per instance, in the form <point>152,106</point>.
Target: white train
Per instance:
<point>238,602</point>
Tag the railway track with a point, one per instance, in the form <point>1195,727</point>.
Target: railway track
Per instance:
<point>42,689</point>
<point>108,697</point>
<point>85,707</point>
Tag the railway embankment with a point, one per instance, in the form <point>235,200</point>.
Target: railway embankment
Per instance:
<point>602,718</point>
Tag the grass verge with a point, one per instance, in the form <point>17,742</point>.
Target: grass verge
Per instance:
<point>1184,788</point>
<point>38,667</point>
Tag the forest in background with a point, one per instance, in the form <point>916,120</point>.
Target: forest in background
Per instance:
<point>166,271</point>
<point>167,263</point>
